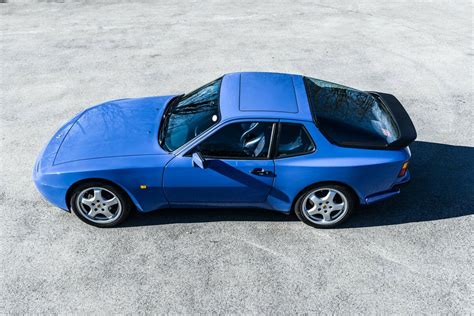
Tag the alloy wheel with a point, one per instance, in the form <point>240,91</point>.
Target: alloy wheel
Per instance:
<point>99,205</point>
<point>325,206</point>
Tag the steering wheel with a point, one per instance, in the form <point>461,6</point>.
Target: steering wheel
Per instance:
<point>197,130</point>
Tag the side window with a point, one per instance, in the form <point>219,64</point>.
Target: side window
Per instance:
<point>293,140</point>
<point>245,140</point>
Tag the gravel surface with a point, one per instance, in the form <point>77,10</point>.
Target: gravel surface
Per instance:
<point>411,254</point>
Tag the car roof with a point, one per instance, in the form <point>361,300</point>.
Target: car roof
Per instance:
<point>264,95</point>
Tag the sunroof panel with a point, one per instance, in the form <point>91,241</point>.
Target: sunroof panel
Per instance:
<point>267,92</point>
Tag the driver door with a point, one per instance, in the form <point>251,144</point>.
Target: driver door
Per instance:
<point>238,168</point>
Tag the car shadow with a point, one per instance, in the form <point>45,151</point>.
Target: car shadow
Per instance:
<point>441,188</point>
<point>205,215</point>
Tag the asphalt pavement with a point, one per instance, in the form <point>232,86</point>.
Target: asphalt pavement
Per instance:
<point>410,254</point>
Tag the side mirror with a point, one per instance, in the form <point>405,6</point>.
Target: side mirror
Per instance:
<point>198,160</point>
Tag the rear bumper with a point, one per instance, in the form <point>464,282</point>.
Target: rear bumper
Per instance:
<point>395,190</point>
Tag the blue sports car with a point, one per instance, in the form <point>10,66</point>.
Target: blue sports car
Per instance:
<point>281,142</point>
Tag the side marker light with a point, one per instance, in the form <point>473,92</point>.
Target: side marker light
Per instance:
<point>404,169</point>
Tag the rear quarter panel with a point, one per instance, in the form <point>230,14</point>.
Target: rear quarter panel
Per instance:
<point>365,171</point>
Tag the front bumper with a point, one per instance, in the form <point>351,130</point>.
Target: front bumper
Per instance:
<point>394,190</point>
<point>51,191</point>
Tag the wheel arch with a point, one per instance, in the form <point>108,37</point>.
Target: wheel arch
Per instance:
<point>71,189</point>
<point>302,191</point>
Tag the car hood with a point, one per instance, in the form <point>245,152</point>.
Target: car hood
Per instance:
<point>123,127</point>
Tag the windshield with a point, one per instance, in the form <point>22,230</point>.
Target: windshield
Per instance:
<point>350,117</point>
<point>190,115</point>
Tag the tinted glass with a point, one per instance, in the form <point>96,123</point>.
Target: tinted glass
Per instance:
<point>190,116</point>
<point>350,116</point>
<point>239,140</point>
<point>293,140</point>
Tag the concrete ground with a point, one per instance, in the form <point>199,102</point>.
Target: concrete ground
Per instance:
<point>412,254</point>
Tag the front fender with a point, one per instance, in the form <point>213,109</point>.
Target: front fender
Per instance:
<point>139,176</point>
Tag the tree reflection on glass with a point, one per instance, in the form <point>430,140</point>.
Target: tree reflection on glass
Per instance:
<point>350,115</point>
<point>190,115</point>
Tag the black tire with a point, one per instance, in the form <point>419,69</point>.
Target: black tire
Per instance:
<point>350,201</point>
<point>124,202</point>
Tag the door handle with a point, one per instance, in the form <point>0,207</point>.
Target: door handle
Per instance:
<point>261,172</point>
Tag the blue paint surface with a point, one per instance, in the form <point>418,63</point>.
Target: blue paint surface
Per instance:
<point>118,141</point>
<point>267,92</point>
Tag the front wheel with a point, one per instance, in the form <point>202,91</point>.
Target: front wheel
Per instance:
<point>100,204</point>
<point>325,206</point>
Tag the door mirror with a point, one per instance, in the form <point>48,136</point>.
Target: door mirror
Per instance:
<point>198,160</point>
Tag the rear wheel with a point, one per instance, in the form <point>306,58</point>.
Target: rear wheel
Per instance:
<point>100,204</point>
<point>325,206</point>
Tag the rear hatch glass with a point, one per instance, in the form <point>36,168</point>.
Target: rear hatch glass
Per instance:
<point>350,117</point>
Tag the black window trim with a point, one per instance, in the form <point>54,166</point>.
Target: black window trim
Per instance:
<point>271,149</point>
<point>275,153</point>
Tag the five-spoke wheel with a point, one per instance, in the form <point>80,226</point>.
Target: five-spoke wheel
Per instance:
<point>100,204</point>
<point>104,205</point>
<point>325,206</point>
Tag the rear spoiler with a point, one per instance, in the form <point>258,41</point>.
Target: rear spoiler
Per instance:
<point>401,118</point>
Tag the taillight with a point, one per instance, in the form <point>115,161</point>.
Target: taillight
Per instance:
<point>404,169</point>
